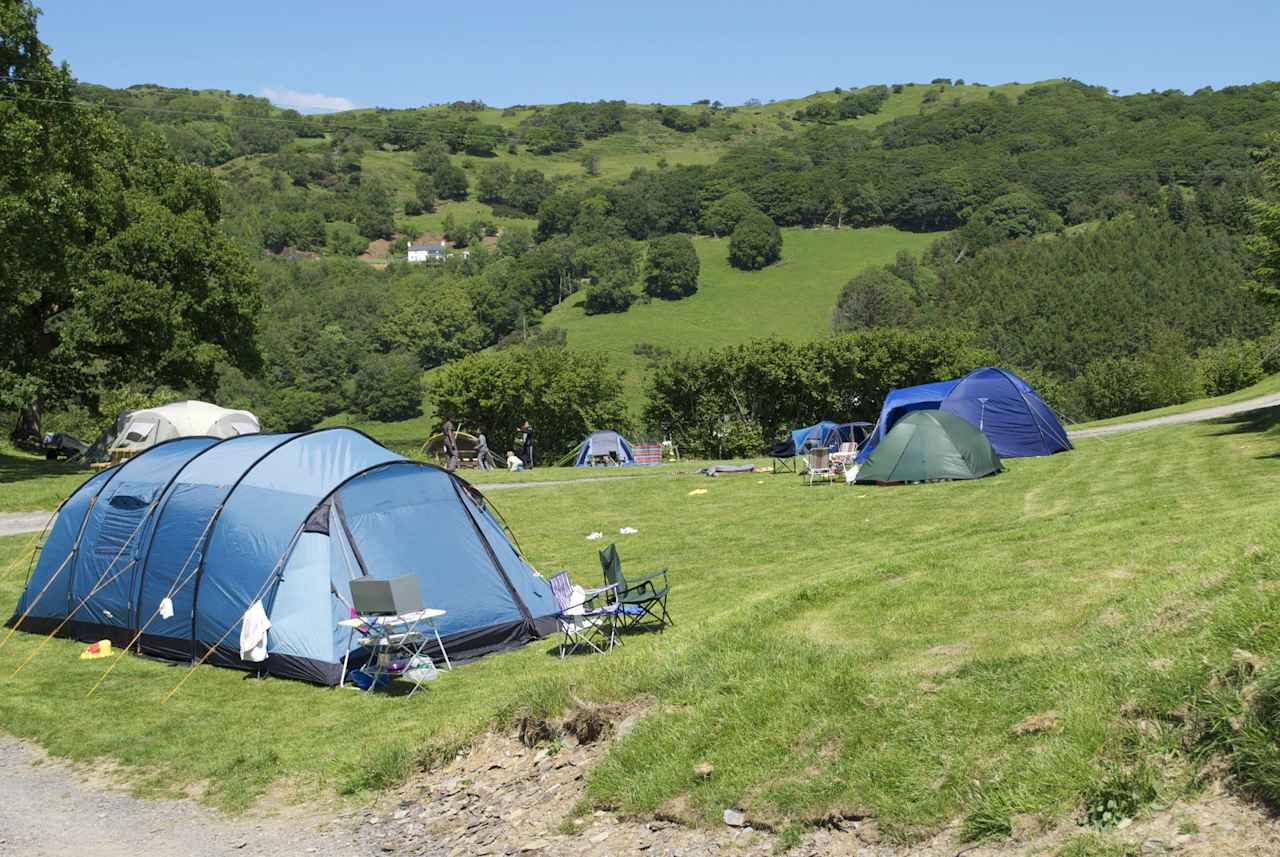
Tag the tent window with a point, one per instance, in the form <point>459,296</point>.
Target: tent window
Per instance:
<point>139,431</point>
<point>244,427</point>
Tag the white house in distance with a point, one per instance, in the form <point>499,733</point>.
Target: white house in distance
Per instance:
<point>427,251</point>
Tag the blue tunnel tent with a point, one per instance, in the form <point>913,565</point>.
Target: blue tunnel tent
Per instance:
<point>288,519</point>
<point>604,446</point>
<point>901,402</point>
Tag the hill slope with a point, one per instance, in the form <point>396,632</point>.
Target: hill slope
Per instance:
<point>792,299</point>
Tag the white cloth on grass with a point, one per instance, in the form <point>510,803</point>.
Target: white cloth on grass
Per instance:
<point>253,634</point>
<point>626,531</point>
<point>591,537</point>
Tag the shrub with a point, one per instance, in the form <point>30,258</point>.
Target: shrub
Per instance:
<point>671,268</point>
<point>292,410</point>
<point>1231,365</point>
<point>756,242</point>
<point>344,239</point>
<point>611,294</point>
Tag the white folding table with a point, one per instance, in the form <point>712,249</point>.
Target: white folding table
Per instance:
<point>389,637</point>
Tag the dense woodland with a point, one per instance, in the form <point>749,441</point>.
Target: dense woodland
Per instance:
<point>162,242</point>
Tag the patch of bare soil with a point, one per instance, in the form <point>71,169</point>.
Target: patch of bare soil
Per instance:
<point>520,793</point>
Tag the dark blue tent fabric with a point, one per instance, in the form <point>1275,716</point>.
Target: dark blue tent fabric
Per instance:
<point>214,525</point>
<point>604,443</point>
<point>901,402</point>
<point>1009,412</point>
<point>804,439</point>
<point>844,433</point>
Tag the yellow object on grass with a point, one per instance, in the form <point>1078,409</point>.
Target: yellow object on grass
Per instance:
<point>100,649</point>
<point>696,491</point>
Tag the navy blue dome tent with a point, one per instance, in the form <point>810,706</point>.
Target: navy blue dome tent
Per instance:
<point>1003,406</point>
<point>288,519</point>
<point>1009,412</point>
<point>604,447</point>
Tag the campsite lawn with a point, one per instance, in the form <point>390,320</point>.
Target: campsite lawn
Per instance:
<point>28,483</point>
<point>838,649</point>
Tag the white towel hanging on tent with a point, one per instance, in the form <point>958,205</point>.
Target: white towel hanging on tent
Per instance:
<point>253,634</point>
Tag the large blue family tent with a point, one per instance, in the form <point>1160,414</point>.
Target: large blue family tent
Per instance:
<point>604,447</point>
<point>177,543</point>
<point>1009,412</point>
<point>901,402</point>
<point>1003,407</point>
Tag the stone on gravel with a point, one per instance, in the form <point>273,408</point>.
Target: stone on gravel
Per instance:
<point>734,818</point>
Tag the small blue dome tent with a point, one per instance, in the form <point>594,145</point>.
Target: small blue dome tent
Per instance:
<point>287,519</point>
<point>901,402</point>
<point>604,445</point>
<point>1009,412</point>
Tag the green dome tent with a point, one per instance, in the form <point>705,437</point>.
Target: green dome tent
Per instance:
<point>927,445</point>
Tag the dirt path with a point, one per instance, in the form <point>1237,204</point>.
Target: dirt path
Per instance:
<point>1189,417</point>
<point>15,523</point>
<point>51,810</point>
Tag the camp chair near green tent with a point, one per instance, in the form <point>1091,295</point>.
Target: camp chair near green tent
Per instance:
<point>928,445</point>
<point>637,597</point>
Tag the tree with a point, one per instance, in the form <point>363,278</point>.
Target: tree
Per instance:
<point>875,298</point>
<point>756,242</point>
<point>451,182</point>
<point>425,190</point>
<point>723,215</point>
<point>388,387</point>
<point>591,164</point>
<point>113,264</point>
<point>494,182</point>
<point>1265,219</point>
<point>344,239</point>
<point>371,210</point>
<point>436,322</point>
<point>515,241</point>
<point>671,267</point>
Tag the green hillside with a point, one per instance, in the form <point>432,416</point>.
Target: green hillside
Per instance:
<point>792,299</point>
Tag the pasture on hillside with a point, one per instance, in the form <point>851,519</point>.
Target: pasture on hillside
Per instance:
<point>843,649</point>
<point>792,299</point>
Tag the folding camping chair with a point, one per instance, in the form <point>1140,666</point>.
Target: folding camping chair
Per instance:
<point>638,597</point>
<point>818,465</point>
<point>579,625</point>
<point>841,460</point>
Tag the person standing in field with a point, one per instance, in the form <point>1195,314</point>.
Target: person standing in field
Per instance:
<point>450,446</point>
<point>482,451</point>
<point>526,444</point>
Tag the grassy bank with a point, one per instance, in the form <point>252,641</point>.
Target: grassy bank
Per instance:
<point>792,299</point>
<point>976,650</point>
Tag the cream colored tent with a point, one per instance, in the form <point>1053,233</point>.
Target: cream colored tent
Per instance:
<point>182,419</point>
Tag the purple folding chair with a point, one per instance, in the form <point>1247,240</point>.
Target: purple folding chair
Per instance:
<point>580,623</point>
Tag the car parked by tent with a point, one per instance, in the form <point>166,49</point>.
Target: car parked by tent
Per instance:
<point>170,550</point>
<point>996,401</point>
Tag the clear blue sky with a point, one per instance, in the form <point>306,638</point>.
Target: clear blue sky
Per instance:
<point>402,54</point>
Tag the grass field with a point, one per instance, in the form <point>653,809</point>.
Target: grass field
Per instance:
<point>838,649</point>
<point>792,299</point>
